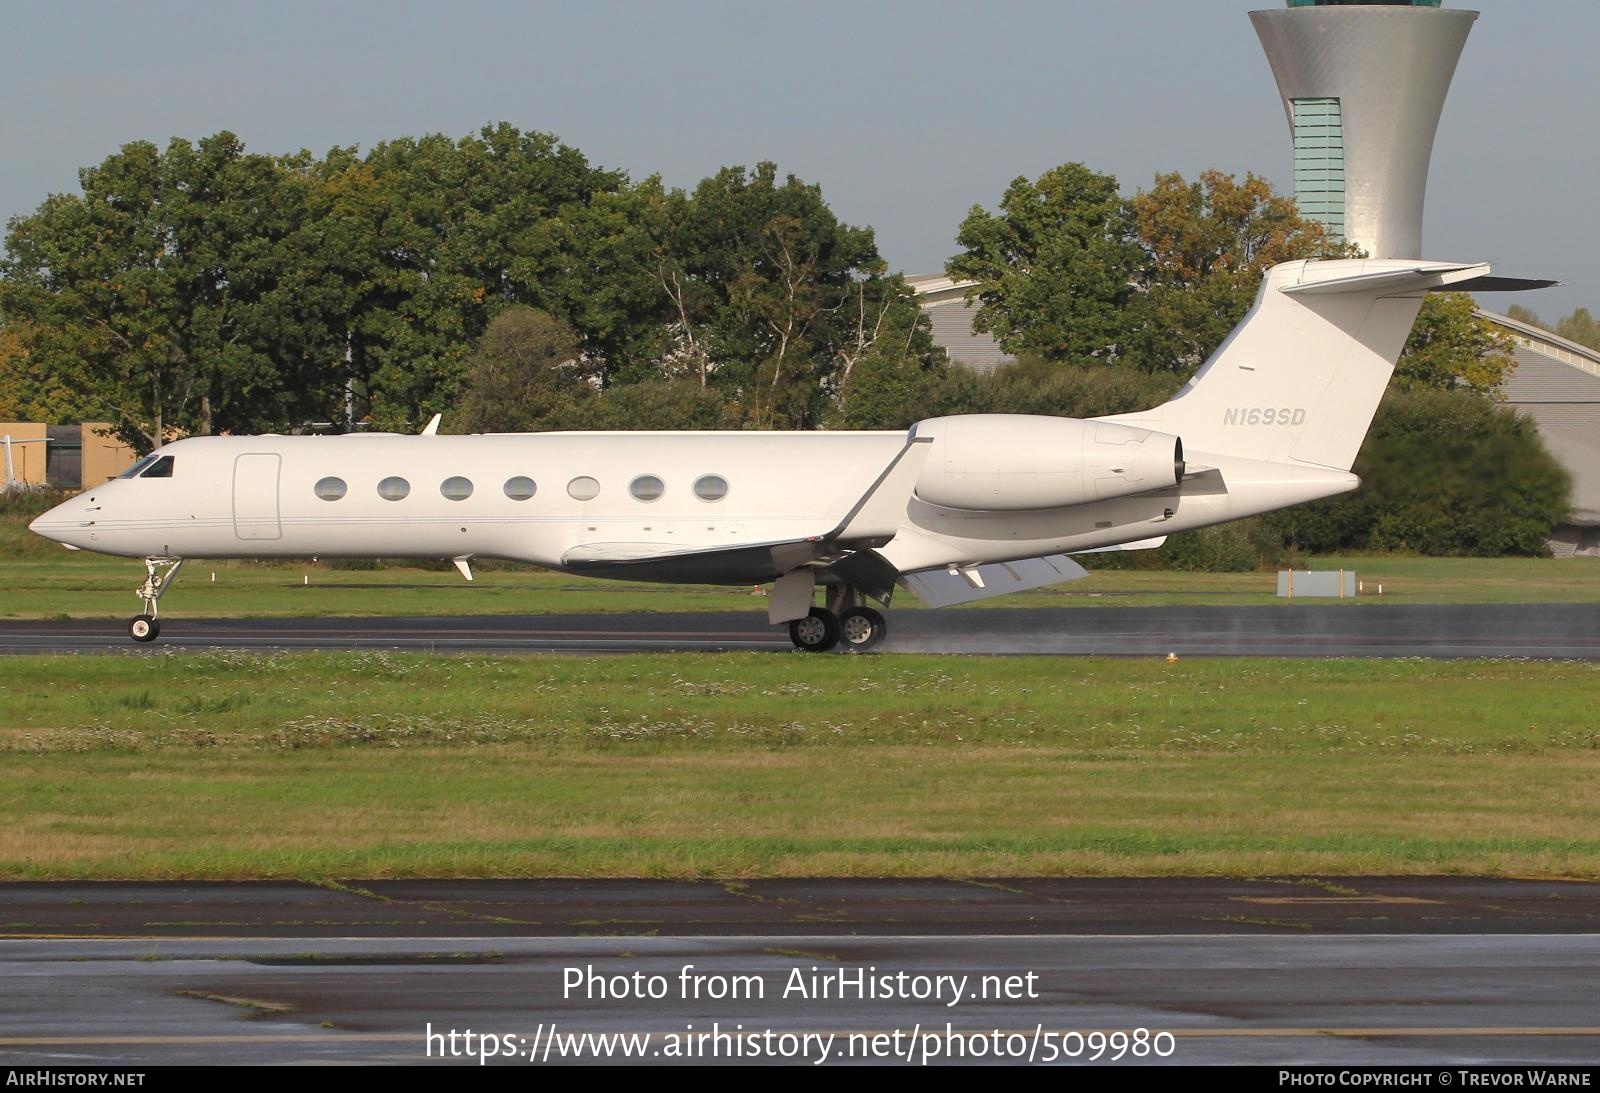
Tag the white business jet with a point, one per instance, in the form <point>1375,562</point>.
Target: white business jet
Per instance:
<point>956,509</point>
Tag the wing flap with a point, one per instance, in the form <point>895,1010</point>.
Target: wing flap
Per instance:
<point>963,584</point>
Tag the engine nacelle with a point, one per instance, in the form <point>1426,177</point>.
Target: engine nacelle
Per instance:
<point>1019,462</point>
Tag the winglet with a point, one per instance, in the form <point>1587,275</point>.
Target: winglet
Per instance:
<point>882,509</point>
<point>432,428</point>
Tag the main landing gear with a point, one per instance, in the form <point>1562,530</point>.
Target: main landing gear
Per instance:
<point>847,621</point>
<point>146,627</point>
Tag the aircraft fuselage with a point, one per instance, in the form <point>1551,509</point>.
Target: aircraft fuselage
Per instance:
<point>957,508</point>
<point>539,498</point>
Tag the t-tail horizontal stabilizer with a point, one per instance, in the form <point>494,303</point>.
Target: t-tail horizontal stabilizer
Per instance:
<point>1298,380</point>
<point>1425,277</point>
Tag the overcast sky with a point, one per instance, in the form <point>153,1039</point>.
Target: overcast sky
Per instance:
<point>905,113</point>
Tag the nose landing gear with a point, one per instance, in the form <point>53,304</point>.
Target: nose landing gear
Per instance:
<point>146,627</point>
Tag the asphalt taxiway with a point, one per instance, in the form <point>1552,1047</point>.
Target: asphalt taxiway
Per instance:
<point>1306,970</point>
<point>1545,631</point>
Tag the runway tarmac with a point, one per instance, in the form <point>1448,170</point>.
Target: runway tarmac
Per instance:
<point>1029,905</point>
<point>1553,631</point>
<point>1413,971</point>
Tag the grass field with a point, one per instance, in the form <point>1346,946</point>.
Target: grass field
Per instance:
<point>336,765</point>
<point>59,584</point>
<point>323,766</point>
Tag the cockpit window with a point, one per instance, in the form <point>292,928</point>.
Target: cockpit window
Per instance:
<point>135,470</point>
<point>161,468</point>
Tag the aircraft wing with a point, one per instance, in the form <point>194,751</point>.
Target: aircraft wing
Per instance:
<point>881,510</point>
<point>872,520</point>
<point>750,563</point>
<point>963,584</point>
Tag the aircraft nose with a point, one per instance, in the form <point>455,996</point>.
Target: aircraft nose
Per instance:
<point>59,523</point>
<point>46,522</point>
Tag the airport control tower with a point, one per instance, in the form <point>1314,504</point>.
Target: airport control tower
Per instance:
<point>1363,85</point>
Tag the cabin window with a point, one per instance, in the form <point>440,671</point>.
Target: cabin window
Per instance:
<point>583,488</point>
<point>456,488</point>
<point>329,489</point>
<point>647,487</point>
<point>520,488</point>
<point>161,468</point>
<point>711,487</point>
<point>393,488</point>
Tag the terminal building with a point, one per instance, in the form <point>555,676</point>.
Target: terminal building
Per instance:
<point>63,456</point>
<point>1363,86</point>
<point>1557,384</point>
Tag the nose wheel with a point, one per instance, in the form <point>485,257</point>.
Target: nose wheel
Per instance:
<point>146,627</point>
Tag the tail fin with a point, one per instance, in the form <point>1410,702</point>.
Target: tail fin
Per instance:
<point>1300,377</point>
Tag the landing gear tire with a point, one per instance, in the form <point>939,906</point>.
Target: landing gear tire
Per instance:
<point>861,629</point>
<point>816,633</point>
<point>145,627</point>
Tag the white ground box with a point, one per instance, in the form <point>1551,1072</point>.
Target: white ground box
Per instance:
<point>1306,582</point>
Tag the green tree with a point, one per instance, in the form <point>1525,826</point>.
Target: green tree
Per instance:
<point>1443,472</point>
<point>1054,267</point>
<point>1452,347</point>
<point>31,392</point>
<point>14,374</point>
<point>524,375</point>
<point>1206,245</point>
<point>660,403</point>
<point>1580,327</point>
<point>893,390</point>
<point>201,288</point>
<point>1033,385</point>
<point>167,291</point>
<point>594,264</point>
<point>886,395</point>
<point>887,344</point>
<point>1068,271</point>
<point>769,299</point>
<point>456,231</point>
<point>527,374</point>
